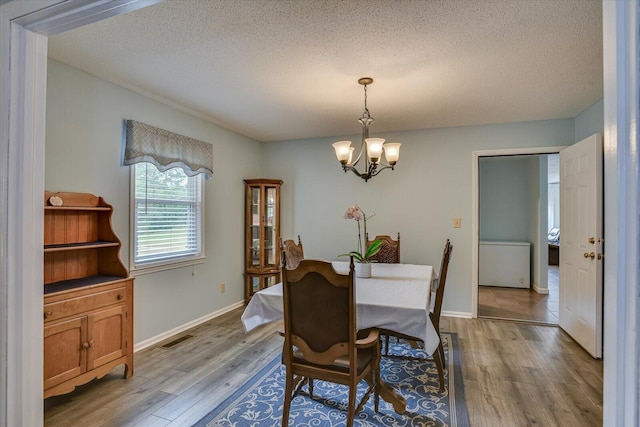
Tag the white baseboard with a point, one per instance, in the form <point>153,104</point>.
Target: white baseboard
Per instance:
<point>538,289</point>
<point>461,314</point>
<point>160,337</point>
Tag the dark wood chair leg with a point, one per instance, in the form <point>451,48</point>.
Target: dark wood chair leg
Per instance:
<point>439,365</point>
<point>352,405</point>
<point>441,350</point>
<point>288,391</point>
<point>376,379</point>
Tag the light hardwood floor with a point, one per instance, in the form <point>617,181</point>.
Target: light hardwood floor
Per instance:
<point>515,375</point>
<point>519,374</point>
<point>521,304</point>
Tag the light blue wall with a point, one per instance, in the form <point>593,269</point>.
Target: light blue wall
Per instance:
<point>533,166</point>
<point>533,177</point>
<point>541,254</point>
<point>83,149</point>
<point>590,121</point>
<point>504,197</point>
<point>431,185</point>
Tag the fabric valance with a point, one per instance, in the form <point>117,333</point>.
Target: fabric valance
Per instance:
<point>166,150</point>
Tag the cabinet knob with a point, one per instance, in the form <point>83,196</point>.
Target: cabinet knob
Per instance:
<point>119,297</point>
<point>48,314</point>
<point>91,343</point>
<point>85,345</point>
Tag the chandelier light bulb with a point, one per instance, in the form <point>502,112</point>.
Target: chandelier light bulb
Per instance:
<point>343,151</point>
<point>392,152</point>
<point>374,149</point>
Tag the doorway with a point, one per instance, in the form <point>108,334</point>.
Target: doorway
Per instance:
<point>24,27</point>
<point>511,218</point>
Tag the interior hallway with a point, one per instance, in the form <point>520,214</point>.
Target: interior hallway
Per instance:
<point>521,304</point>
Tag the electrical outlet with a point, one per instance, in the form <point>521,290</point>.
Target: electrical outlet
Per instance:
<point>223,287</point>
<point>456,223</point>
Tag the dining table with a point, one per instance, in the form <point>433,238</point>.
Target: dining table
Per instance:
<point>396,297</point>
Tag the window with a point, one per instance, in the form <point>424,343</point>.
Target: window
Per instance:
<point>167,217</point>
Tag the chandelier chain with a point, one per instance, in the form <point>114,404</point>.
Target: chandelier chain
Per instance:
<point>366,110</point>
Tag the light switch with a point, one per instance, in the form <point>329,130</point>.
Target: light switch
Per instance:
<point>456,223</point>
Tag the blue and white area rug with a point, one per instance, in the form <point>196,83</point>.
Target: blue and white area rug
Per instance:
<point>258,403</point>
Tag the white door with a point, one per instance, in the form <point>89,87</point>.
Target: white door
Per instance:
<point>581,243</point>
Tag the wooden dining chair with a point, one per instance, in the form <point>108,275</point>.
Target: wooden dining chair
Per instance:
<point>389,254</point>
<point>389,250</point>
<point>434,314</point>
<point>292,252</point>
<point>320,336</point>
<point>439,293</point>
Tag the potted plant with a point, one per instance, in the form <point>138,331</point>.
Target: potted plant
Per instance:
<point>362,258</point>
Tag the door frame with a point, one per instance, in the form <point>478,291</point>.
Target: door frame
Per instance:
<point>621,353</point>
<point>24,30</point>
<point>475,202</point>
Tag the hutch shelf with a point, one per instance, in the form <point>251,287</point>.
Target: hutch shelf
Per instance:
<point>262,234</point>
<point>88,295</point>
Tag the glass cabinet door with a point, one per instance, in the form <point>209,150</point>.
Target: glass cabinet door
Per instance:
<point>254,284</point>
<point>271,280</point>
<point>257,282</point>
<point>256,215</point>
<point>270,232</point>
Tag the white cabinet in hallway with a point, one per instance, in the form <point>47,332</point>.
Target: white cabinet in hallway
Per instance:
<point>505,264</point>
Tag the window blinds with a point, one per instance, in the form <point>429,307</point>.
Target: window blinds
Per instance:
<point>167,215</point>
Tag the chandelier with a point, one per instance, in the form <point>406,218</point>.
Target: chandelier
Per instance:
<point>370,148</point>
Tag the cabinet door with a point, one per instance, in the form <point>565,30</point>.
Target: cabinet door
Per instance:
<point>271,224</point>
<point>106,336</point>
<point>254,242</point>
<point>64,353</point>
<point>252,285</point>
<point>257,282</point>
<point>270,280</point>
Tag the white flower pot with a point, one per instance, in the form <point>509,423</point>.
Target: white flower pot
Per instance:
<point>363,269</point>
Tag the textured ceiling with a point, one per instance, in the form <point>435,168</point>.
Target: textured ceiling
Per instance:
<point>279,70</point>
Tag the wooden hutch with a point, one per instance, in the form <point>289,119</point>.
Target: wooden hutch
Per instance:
<point>88,295</point>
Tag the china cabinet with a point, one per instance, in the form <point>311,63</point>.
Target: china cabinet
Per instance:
<point>88,295</point>
<point>262,234</point>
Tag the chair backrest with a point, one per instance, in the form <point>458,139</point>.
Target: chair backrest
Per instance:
<point>319,312</point>
<point>442,279</point>
<point>292,253</point>
<point>389,250</point>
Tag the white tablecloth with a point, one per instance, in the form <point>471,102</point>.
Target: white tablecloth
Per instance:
<point>396,297</point>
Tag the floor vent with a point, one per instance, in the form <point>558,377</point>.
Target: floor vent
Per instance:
<point>177,341</point>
